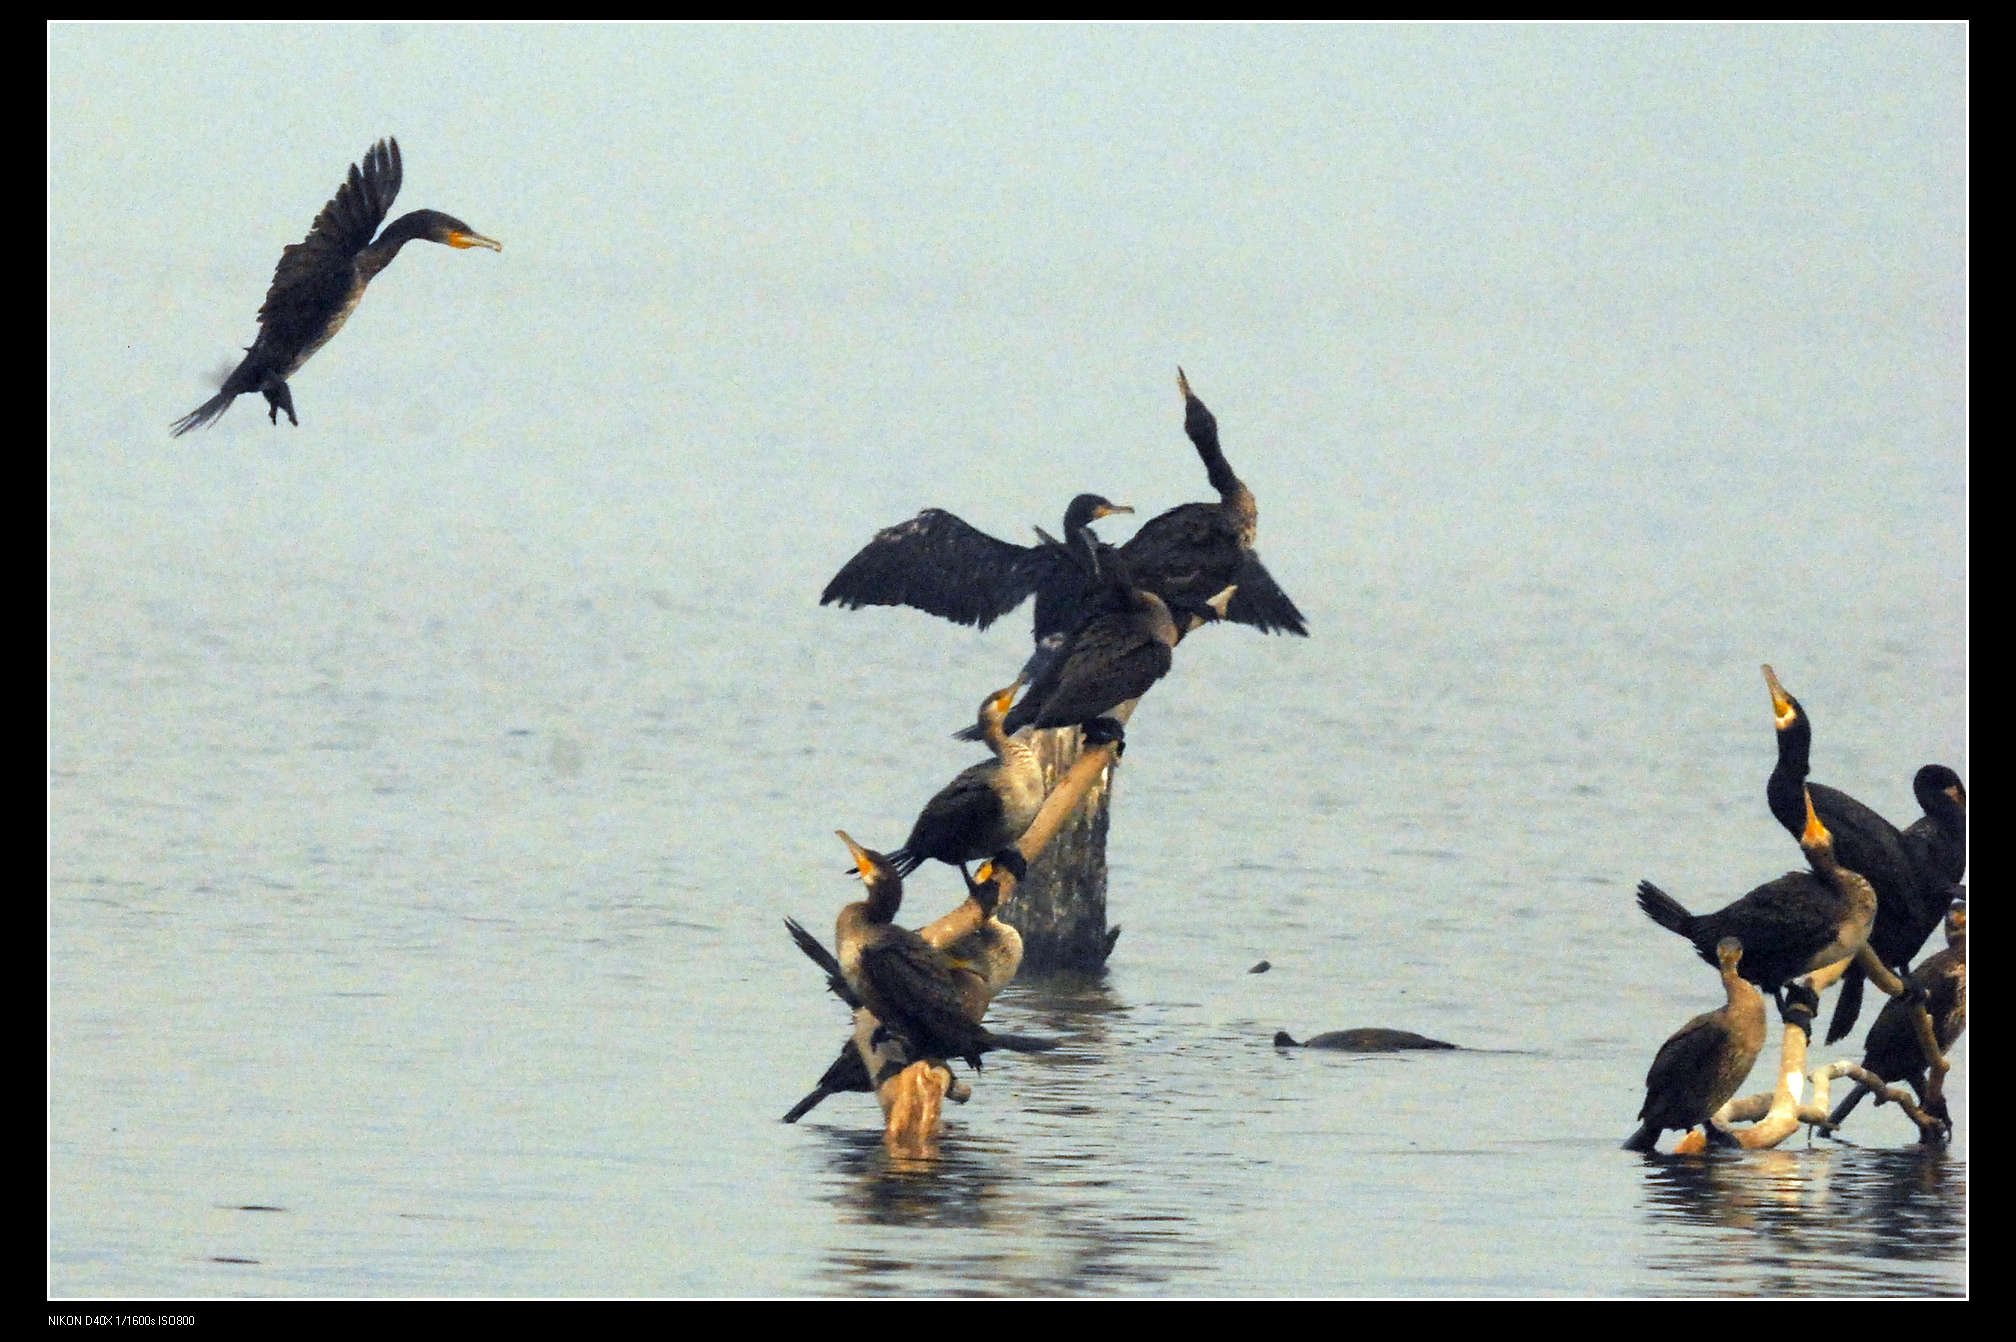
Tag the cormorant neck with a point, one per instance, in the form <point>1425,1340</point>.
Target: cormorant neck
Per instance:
<point>1785,791</point>
<point>885,897</point>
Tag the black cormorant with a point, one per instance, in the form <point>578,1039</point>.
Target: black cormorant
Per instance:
<point>913,987</point>
<point>939,563</point>
<point>983,811</point>
<point>320,280</point>
<point>1195,550</point>
<point>1706,1060</point>
<point>984,952</point>
<point>1789,927</point>
<point>1906,908</point>
<point>1114,655</point>
<point>1936,842</point>
<point>1893,1050</point>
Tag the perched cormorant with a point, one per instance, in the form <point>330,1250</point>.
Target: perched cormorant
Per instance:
<point>1893,1050</point>
<point>1906,909</point>
<point>320,280</point>
<point>913,987</point>
<point>983,811</point>
<point>1195,550</point>
<point>1791,926</point>
<point>1367,1039</point>
<point>1936,842</point>
<point>985,954</point>
<point>942,565</point>
<point>1706,1060</point>
<point>1112,657</point>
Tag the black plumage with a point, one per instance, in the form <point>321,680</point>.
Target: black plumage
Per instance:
<point>1907,908</point>
<point>321,279</point>
<point>1790,926</point>
<point>940,564</point>
<point>1113,656</point>
<point>983,811</point>
<point>983,952</point>
<point>915,989</point>
<point>1894,1050</point>
<point>1192,552</point>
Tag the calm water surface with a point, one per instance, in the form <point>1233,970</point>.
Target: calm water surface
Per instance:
<point>414,930</point>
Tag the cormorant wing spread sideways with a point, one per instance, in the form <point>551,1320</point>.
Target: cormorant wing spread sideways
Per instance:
<point>943,565</point>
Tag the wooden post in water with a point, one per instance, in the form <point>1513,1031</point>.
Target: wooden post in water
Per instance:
<point>913,1098</point>
<point>1061,909</point>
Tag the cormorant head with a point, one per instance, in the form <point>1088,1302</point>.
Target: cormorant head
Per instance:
<point>1785,709</point>
<point>447,230</point>
<point>885,887</point>
<point>1089,508</point>
<point>983,889</point>
<point>1936,781</point>
<point>1729,954</point>
<point>995,705</point>
<point>1196,419</point>
<point>1956,923</point>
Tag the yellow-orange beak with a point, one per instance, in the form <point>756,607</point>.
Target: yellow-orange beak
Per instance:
<point>864,861</point>
<point>457,238</point>
<point>1781,704</point>
<point>1816,833</point>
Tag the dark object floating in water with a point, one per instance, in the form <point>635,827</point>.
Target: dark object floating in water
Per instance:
<point>1260,968</point>
<point>1370,1039</point>
<point>256,1207</point>
<point>249,1262</point>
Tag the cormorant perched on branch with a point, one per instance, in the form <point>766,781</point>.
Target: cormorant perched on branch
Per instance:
<point>982,812</point>
<point>1705,1061</point>
<point>942,565</point>
<point>912,986</point>
<point>321,279</point>
<point>1908,907</point>
<point>1195,550</point>
<point>985,954</point>
<point>1893,1050</point>
<point>1789,927</point>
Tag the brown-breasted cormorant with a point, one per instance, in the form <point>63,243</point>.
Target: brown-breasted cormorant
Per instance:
<point>985,954</point>
<point>1791,926</point>
<point>321,279</point>
<point>913,987</point>
<point>1706,1060</point>
<point>1907,908</point>
<point>983,811</point>
<point>1195,550</point>
<point>1893,1050</point>
<point>941,564</point>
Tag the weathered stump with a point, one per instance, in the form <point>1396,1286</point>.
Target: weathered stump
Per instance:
<point>1061,909</point>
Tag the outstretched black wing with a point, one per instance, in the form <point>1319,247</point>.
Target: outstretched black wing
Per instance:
<point>940,564</point>
<point>314,275</point>
<point>1262,604</point>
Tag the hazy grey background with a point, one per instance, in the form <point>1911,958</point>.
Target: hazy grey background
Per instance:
<point>1579,370</point>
